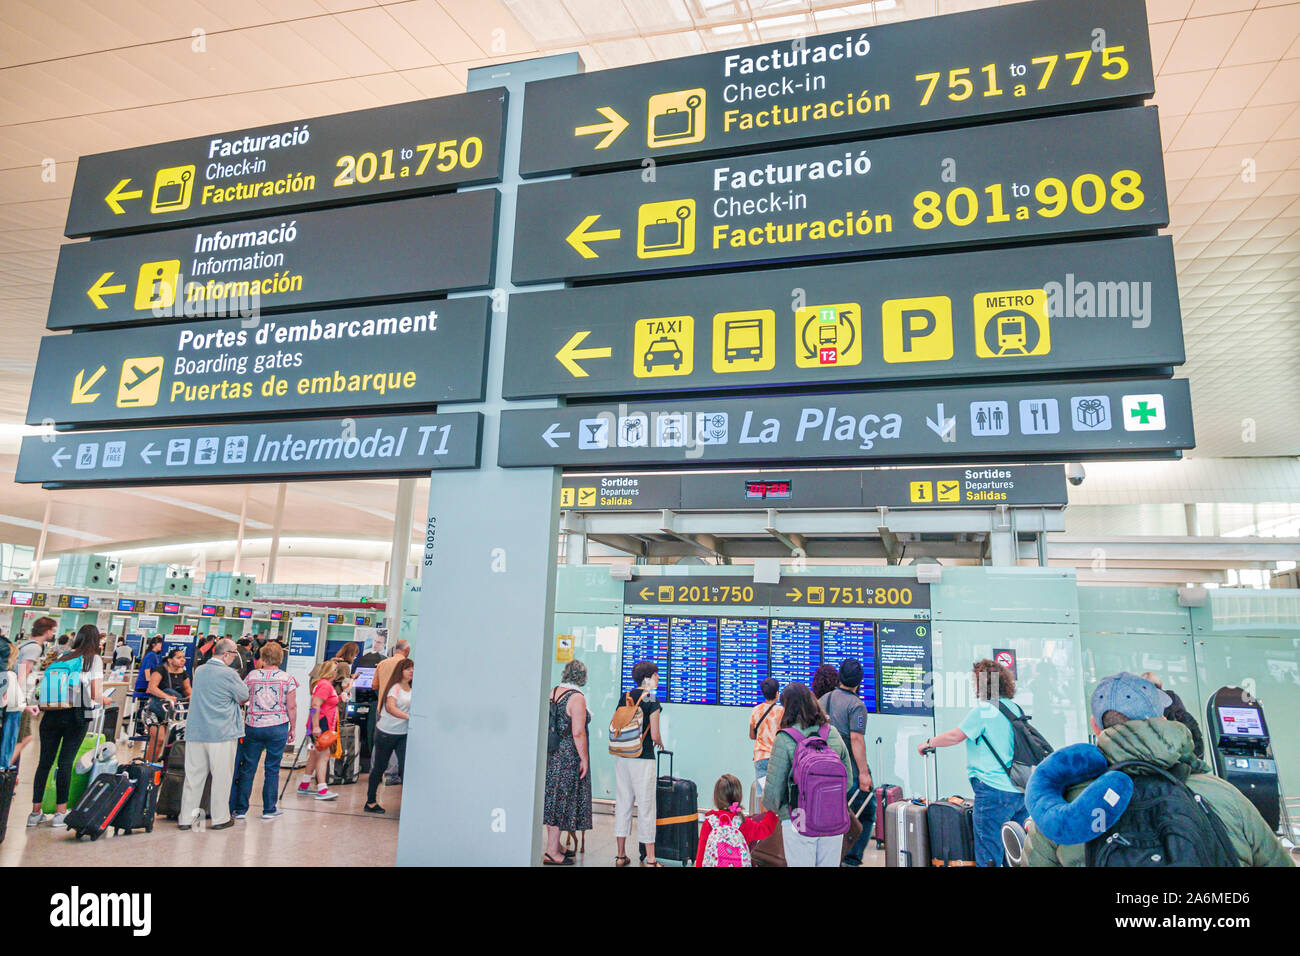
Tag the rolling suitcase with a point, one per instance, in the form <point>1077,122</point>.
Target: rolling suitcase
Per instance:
<point>884,797</point>
<point>98,806</point>
<point>81,767</point>
<point>138,811</point>
<point>677,824</point>
<point>951,824</point>
<point>907,832</point>
<point>173,783</point>
<point>346,769</point>
<point>8,780</point>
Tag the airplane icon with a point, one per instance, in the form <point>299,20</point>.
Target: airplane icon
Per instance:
<point>140,382</point>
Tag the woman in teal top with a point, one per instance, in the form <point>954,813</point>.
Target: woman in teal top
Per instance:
<point>989,744</point>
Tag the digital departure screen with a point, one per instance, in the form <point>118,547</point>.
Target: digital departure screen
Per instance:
<point>1241,722</point>
<point>742,660</point>
<point>208,610</point>
<point>21,598</point>
<point>693,660</point>
<point>74,601</point>
<point>244,612</point>
<point>844,639</point>
<point>645,638</point>
<point>904,661</point>
<point>277,615</point>
<point>795,646</point>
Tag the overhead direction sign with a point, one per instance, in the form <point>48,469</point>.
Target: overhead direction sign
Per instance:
<point>796,590</point>
<point>387,250</point>
<point>1010,421</point>
<point>276,451</point>
<point>392,151</point>
<point>985,64</point>
<point>1089,173</point>
<point>1028,311</point>
<point>375,357</point>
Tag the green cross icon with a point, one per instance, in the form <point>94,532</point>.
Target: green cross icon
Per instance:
<point>1144,412</point>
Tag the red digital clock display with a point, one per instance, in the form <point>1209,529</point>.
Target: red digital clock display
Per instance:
<point>767,489</point>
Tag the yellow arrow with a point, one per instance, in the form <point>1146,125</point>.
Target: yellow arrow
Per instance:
<point>81,389</point>
<point>117,194</point>
<point>645,593</point>
<point>99,290</point>
<point>796,594</point>
<point>580,237</point>
<point>612,129</point>
<point>569,353</point>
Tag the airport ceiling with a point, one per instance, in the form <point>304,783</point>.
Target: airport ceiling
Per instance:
<point>85,76</point>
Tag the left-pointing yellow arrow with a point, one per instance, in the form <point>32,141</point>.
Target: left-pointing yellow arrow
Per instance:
<point>569,353</point>
<point>118,193</point>
<point>611,129</point>
<point>97,291</point>
<point>580,237</point>
<point>81,386</point>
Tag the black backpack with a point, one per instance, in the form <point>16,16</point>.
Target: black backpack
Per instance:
<point>553,735</point>
<point>1029,748</point>
<point>1165,824</point>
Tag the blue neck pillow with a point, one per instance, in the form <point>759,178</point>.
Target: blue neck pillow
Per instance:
<point>1092,812</point>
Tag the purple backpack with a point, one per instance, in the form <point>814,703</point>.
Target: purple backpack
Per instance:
<point>822,807</point>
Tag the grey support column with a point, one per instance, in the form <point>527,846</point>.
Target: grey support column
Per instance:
<point>276,524</point>
<point>401,554</point>
<point>476,745</point>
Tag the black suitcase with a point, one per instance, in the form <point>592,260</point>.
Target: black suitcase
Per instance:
<point>951,824</point>
<point>8,780</point>
<point>138,812</point>
<point>677,824</point>
<point>346,769</point>
<point>100,803</point>
<point>173,783</point>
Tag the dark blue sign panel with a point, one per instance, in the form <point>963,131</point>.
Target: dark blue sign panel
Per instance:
<point>742,660</point>
<point>694,660</point>
<point>645,639</point>
<point>796,649</point>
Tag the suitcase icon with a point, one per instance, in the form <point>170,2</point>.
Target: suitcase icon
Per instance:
<point>675,118</point>
<point>172,189</point>
<point>666,229</point>
<point>674,123</point>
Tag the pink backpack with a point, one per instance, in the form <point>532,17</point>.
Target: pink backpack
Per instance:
<point>726,846</point>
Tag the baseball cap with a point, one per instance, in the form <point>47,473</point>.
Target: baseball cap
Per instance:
<point>1134,697</point>
<point>851,672</point>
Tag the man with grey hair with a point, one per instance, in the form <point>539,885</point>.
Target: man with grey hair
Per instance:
<point>212,732</point>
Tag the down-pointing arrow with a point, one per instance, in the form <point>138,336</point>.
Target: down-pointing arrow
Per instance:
<point>945,428</point>
<point>551,434</point>
<point>148,453</point>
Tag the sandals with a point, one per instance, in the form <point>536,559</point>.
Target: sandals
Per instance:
<point>652,863</point>
<point>622,860</point>
<point>562,861</point>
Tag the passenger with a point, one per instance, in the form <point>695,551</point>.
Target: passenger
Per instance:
<point>168,685</point>
<point>825,680</point>
<point>729,823</point>
<point>804,714</point>
<point>764,722</point>
<point>272,714</point>
<point>151,661</point>
<point>391,729</point>
<point>567,808</point>
<point>848,715</point>
<point>1126,714</point>
<point>989,745</point>
<point>62,730</point>
<point>1177,711</point>
<point>347,654</point>
<point>122,654</point>
<point>322,717</point>
<point>384,670</point>
<point>634,777</point>
<point>212,732</point>
<point>26,667</point>
<point>244,646</point>
<point>204,649</point>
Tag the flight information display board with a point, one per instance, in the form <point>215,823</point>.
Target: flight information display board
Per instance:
<point>905,662</point>
<point>844,639</point>
<point>645,638</point>
<point>795,646</point>
<point>742,660</point>
<point>693,660</point>
<point>724,660</point>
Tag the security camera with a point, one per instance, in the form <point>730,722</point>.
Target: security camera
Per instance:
<point>1075,474</point>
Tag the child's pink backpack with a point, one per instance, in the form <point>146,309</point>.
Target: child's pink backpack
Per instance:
<point>726,846</point>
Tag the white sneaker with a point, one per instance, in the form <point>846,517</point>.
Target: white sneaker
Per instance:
<point>60,820</point>
<point>305,790</point>
<point>239,816</point>
<point>272,814</point>
<point>35,819</point>
<point>325,793</point>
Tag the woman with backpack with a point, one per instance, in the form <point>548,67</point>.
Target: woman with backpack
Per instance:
<point>634,770</point>
<point>568,769</point>
<point>803,743</point>
<point>727,835</point>
<point>71,687</point>
<point>990,744</point>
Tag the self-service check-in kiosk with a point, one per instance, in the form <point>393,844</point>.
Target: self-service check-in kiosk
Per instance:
<point>1243,755</point>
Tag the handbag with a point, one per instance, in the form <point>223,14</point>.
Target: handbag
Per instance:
<point>327,740</point>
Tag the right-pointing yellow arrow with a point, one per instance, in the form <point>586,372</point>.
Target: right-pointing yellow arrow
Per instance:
<point>117,194</point>
<point>81,387</point>
<point>569,353</point>
<point>611,129</point>
<point>580,237</point>
<point>796,594</point>
<point>99,290</point>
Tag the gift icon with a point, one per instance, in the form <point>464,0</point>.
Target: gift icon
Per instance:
<point>1091,412</point>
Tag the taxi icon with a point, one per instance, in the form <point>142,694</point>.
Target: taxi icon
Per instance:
<point>663,351</point>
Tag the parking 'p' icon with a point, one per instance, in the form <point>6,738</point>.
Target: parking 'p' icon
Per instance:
<point>916,330</point>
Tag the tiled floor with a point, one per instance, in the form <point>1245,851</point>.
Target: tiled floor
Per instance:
<point>310,833</point>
